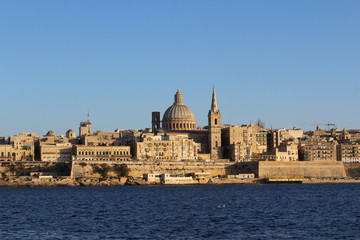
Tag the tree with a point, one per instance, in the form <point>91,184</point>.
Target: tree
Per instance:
<point>104,170</point>
<point>124,170</point>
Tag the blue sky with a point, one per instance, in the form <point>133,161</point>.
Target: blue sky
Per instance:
<point>289,63</point>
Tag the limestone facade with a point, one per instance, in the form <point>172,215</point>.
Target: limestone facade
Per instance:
<point>85,127</point>
<point>101,153</point>
<point>57,152</point>
<point>286,152</point>
<point>317,149</point>
<point>23,146</point>
<point>166,147</point>
<point>242,143</point>
<point>6,152</point>
<point>101,139</point>
<point>348,152</point>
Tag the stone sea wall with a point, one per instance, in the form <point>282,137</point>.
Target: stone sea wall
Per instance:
<point>352,170</point>
<point>301,169</point>
<point>138,168</point>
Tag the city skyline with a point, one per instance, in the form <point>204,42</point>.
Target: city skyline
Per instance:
<point>286,63</point>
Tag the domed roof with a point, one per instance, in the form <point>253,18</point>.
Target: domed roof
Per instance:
<point>178,111</point>
<point>50,134</point>
<point>70,131</point>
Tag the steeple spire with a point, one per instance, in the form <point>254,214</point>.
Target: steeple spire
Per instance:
<point>214,107</point>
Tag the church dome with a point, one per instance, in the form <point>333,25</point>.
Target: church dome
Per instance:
<point>178,112</point>
<point>50,134</point>
<point>178,116</point>
<point>70,133</point>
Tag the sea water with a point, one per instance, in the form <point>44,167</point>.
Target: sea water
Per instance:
<point>308,211</point>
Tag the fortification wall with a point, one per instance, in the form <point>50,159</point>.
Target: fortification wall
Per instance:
<point>352,169</point>
<point>16,168</point>
<point>301,169</point>
<point>138,168</point>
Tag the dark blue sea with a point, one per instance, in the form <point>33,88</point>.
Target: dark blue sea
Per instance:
<point>324,211</point>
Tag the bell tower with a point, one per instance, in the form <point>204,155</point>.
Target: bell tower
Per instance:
<point>155,123</point>
<point>85,127</point>
<point>214,125</point>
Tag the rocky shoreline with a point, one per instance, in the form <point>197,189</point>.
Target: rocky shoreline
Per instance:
<point>21,182</point>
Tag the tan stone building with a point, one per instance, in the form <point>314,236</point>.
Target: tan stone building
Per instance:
<point>317,149</point>
<point>287,152</point>
<point>349,152</point>
<point>23,146</point>
<point>101,139</point>
<point>276,137</point>
<point>6,152</point>
<point>245,142</point>
<point>102,153</point>
<point>85,127</point>
<point>166,147</point>
<point>58,152</point>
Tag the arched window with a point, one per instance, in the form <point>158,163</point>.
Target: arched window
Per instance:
<point>216,121</point>
<point>180,125</point>
<point>216,144</point>
<point>173,125</point>
<point>177,125</point>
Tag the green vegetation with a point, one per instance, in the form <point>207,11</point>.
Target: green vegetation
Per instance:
<point>123,170</point>
<point>104,170</point>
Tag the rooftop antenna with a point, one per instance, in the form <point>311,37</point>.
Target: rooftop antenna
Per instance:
<point>88,117</point>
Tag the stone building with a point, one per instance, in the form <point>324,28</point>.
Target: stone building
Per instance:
<point>101,139</point>
<point>275,137</point>
<point>317,149</point>
<point>58,152</point>
<point>348,152</point>
<point>286,152</point>
<point>23,146</point>
<point>245,142</point>
<point>85,127</point>
<point>6,152</point>
<point>102,153</point>
<point>166,147</point>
